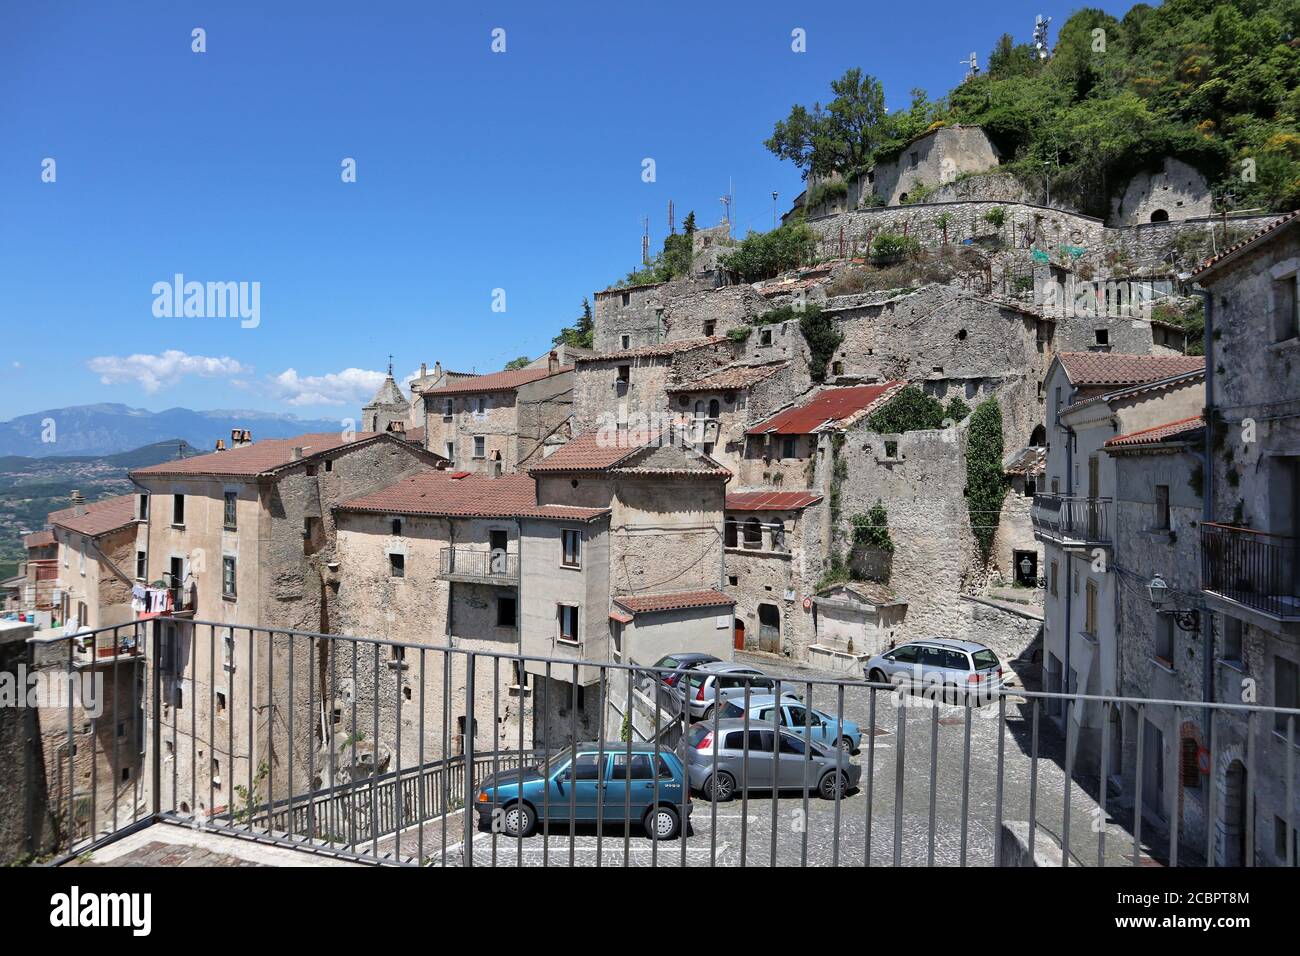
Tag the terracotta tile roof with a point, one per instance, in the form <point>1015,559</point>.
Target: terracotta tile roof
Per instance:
<point>100,517</point>
<point>262,458</point>
<point>771,500</point>
<point>1030,460</point>
<point>731,377</point>
<point>628,288</point>
<point>460,494</point>
<point>1212,263</point>
<point>1144,388</point>
<point>678,600</point>
<point>634,452</point>
<point>416,434</point>
<point>832,406</point>
<point>1116,368</point>
<point>1181,430</point>
<point>497,382</point>
<point>38,539</point>
<point>651,351</point>
<point>871,592</point>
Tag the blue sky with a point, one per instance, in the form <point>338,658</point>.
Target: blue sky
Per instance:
<point>475,171</point>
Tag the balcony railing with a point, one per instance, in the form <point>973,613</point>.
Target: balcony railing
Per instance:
<point>1072,520</point>
<point>478,566</point>
<point>389,774</point>
<point>1253,568</point>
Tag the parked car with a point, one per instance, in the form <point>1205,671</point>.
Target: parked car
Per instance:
<point>793,764</point>
<point>963,666</point>
<point>685,661</point>
<point>595,787</point>
<point>722,680</point>
<point>791,712</point>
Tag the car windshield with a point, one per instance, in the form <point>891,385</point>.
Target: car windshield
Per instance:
<point>667,662</point>
<point>555,762</point>
<point>985,659</point>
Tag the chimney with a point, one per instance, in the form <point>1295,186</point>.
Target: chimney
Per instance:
<point>78,504</point>
<point>397,427</point>
<point>424,370</point>
<point>240,437</point>
<point>552,362</point>
<point>297,452</point>
<point>437,370</point>
<point>221,445</point>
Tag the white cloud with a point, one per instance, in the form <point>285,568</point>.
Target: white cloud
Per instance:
<point>154,372</point>
<point>352,386</point>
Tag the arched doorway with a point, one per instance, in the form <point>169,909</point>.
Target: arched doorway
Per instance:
<point>1235,807</point>
<point>739,641</point>
<point>1038,437</point>
<point>1160,215</point>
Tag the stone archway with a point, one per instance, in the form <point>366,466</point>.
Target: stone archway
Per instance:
<point>1232,826</point>
<point>1160,215</point>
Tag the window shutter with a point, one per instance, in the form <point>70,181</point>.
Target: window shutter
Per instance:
<point>1191,774</point>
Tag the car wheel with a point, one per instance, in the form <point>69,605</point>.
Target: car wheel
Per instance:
<point>720,787</point>
<point>846,745</point>
<point>662,822</point>
<point>517,820</point>
<point>708,714</point>
<point>877,677</point>
<point>831,783</point>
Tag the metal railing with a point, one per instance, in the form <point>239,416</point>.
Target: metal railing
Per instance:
<point>1072,519</point>
<point>1252,568</point>
<point>396,752</point>
<point>477,565</point>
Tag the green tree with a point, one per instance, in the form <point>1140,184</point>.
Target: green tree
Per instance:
<point>521,362</point>
<point>986,485</point>
<point>908,411</point>
<point>763,255</point>
<point>581,333</point>
<point>843,136</point>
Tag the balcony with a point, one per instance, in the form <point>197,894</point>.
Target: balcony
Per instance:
<point>1072,521</point>
<point>474,566</point>
<point>1253,569</point>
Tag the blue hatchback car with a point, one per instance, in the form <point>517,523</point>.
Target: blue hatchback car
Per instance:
<point>791,713</point>
<point>583,784</point>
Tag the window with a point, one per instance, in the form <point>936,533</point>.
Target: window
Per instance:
<point>481,406</point>
<point>480,446</point>
<point>228,517</point>
<point>765,337</point>
<point>1286,690</point>
<point>221,701</point>
<point>227,576</point>
<point>837,368</point>
<point>1165,639</point>
<point>624,373</point>
<point>506,611</point>
<point>396,565</point>
<point>714,408</point>
<point>81,556</point>
<point>141,565</point>
<point>1162,508</point>
<point>1090,609</point>
<point>572,546</point>
<point>310,534</point>
<point>142,508</point>
<point>1279,842</point>
<point>178,510</point>
<point>329,464</point>
<point>789,447</point>
<point>568,615</point>
<point>729,533</point>
<point>586,767</point>
<point>753,533</point>
<point>1286,306</point>
<point>710,326</point>
<point>447,406</point>
<point>733,580</point>
<point>450,448</point>
<point>1232,640</point>
<point>625,341</point>
<point>791,745</point>
<point>1102,336</point>
<point>397,526</point>
<point>907,654</point>
<point>1055,568</point>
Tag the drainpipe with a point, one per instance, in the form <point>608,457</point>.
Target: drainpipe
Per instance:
<point>1069,565</point>
<point>1207,507</point>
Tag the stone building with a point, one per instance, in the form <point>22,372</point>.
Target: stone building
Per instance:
<point>1250,538</point>
<point>773,542</point>
<point>853,622</point>
<point>1093,396</point>
<point>388,406</point>
<point>496,424</point>
<point>931,160</point>
<point>246,539</point>
<point>1175,191</point>
<point>1161,656</point>
<point>103,548</point>
<point>34,591</point>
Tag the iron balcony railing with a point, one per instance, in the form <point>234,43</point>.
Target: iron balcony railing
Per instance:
<point>471,564</point>
<point>1252,568</point>
<point>1071,519</point>
<point>402,753</point>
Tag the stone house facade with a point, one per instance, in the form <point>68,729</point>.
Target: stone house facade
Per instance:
<point>102,547</point>
<point>1250,540</point>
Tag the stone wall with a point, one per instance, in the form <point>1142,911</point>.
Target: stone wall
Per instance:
<point>600,398</point>
<point>23,785</point>
<point>1175,191</point>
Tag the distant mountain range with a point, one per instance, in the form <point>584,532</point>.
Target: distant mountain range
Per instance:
<point>108,429</point>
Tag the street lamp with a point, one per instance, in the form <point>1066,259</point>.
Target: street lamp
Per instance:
<point>1188,619</point>
<point>1026,569</point>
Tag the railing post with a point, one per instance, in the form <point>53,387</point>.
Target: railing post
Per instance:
<point>155,768</point>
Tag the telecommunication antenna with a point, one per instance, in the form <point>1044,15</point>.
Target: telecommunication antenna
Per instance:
<point>972,65</point>
<point>1040,35</point>
<point>672,228</point>
<point>645,240</point>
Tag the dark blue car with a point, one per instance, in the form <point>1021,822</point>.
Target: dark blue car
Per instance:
<point>594,787</point>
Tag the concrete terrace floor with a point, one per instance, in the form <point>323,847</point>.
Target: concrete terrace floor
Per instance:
<point>170,844</point>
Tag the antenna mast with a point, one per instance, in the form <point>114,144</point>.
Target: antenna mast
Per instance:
<point>1040,35</point>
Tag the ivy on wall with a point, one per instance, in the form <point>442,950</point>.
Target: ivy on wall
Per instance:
<point>909,411</point>
<point>986,485</point>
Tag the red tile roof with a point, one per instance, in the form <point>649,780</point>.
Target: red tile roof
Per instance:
<point>1212,263</point>
<point>39,539</point>
<point>263,458</point>
<point>650,603</point>
<point>731,377</point>
<point>602,450</point>
<point>100,517</point>
<point>833,406</point>
<point>1145,388</point>
<point>651,351</point>
<point>497,382</point>
<point>436,492</point>
<point>1181,430</point>
<point>771,500</point>
<point>1116,368</point>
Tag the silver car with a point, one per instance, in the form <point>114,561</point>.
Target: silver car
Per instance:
<point>706,683</point>
<point>791,764</point>
<point>963,668</point>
